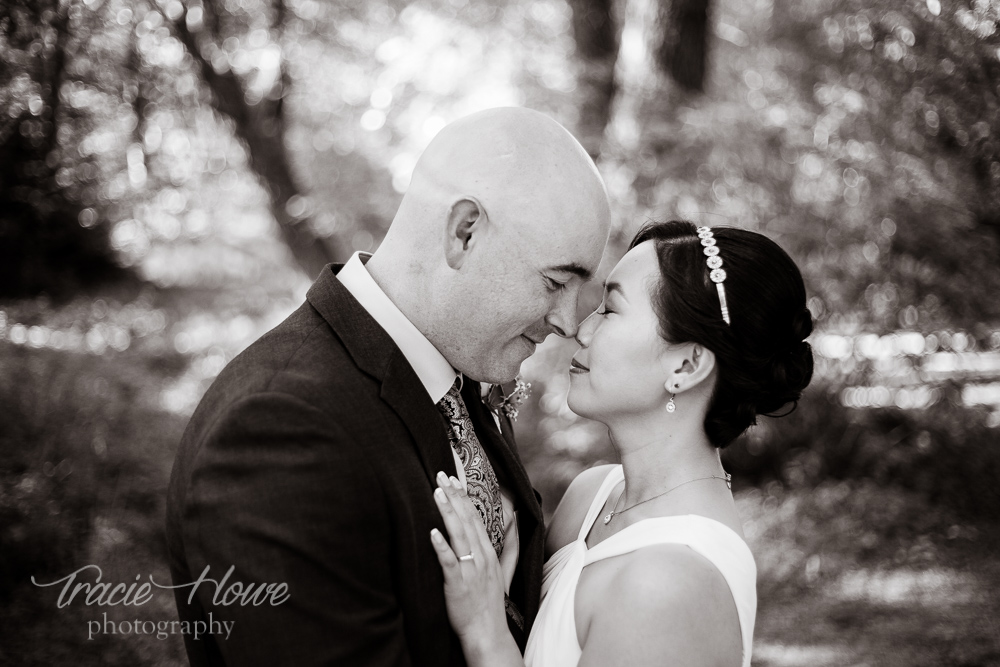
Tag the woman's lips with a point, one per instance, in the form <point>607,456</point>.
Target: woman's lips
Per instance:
<point>576,367</point>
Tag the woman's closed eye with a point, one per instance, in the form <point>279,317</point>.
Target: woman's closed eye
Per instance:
<point>612,292</point>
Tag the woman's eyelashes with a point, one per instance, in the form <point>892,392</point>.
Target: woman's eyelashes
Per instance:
<point>604,308</point>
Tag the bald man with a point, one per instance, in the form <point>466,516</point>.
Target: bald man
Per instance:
<point>309,465</point>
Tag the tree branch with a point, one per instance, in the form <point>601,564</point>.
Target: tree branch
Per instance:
<point>596,38</point>
<point>683,51</point>
<point>261,126</point>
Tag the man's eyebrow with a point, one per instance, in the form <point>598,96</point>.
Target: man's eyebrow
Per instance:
<point>575,269</point>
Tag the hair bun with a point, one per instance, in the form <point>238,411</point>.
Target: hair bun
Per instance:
<point>790,372</point>
<point>802,325</point>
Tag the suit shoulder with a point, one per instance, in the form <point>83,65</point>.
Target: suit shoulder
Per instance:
<point>302,356</point>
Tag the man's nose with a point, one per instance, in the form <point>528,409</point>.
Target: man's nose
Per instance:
<point>562,318</point>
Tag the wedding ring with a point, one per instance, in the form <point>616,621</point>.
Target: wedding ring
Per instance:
<point>468,556</point>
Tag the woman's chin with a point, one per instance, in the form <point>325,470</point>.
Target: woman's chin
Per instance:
<point>579,404</point>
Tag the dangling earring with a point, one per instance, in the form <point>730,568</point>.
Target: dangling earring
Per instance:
<point>670,404</point>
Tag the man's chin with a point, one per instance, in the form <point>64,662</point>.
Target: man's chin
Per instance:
<point>504,366</point>
<point>499,378</point>
<point>499,373</point>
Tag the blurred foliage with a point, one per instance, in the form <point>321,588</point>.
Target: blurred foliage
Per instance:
<point>49,239</point>
<point>860,572</point>
<point>862,135</point>
<point>822,142</point>
<point>61,411</point>
<point>910,94</point>
<point>46,492</point>
<point>85,454</point>
<point>945,452</point>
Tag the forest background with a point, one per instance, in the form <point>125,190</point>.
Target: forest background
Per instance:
<point>173,174</point>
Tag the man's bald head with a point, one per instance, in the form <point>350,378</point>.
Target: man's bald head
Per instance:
<point>508,156</point>
<point>500,203</point>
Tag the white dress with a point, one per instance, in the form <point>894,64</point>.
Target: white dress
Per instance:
<point>553,641</point>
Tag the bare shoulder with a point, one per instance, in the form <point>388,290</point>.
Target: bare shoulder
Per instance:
<point>572,509</point>
<point>665,599</point>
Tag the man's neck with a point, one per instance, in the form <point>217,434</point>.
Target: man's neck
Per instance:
<point>387,274</point>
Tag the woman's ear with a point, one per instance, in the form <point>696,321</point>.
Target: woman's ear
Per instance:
<point>696,364</point>
<point>466,219</point>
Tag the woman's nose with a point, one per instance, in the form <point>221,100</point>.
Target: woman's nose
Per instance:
<point>585,331</point>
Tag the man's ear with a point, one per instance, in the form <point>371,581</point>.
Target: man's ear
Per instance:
<point>466,219</point>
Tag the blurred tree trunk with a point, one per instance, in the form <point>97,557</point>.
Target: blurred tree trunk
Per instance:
<point>136,91</point>
<point>683,49</point>
<point>260,124</point>
<point>596,37</point>
<point>43,247</point>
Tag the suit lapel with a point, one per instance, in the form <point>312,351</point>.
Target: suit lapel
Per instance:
<point>403,392</point>
<point>375,353</point>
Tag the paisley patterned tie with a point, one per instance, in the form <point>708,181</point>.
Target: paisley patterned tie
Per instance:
<point>480,479</point>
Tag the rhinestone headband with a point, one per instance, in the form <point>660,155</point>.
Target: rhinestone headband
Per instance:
<point>717,274</point>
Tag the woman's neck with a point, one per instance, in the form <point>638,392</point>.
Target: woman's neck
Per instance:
<point>658,455</point>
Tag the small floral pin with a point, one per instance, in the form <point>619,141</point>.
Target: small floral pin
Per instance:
<point>508,400</point>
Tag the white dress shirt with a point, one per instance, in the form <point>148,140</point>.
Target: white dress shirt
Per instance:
<point>434,372</point>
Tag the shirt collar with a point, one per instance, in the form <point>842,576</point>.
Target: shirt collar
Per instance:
<point>433,370</point>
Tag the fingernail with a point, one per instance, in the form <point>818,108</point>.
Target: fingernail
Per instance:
<point>442,478</point>
<point>455,483</point>
<point>439,495</point>
<point>436,535</point>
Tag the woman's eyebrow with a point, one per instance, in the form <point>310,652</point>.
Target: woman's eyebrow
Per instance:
<point>612,286</point>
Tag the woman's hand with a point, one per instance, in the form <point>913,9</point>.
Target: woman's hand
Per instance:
<point>473,586</point>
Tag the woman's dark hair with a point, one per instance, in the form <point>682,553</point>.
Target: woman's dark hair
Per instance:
<point>763,362</point>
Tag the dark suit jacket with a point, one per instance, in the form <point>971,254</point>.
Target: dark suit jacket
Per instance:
<point>311,461</point>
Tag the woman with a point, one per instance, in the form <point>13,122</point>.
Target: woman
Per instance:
<point>700,331</point>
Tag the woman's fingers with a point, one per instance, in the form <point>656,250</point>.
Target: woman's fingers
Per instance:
<point>473,585</point>
<point>471,518</point>
<point>465,525</point>
<point>475,531</point>
<point>459,497</point>
<point>461,540</point>
<point>449,563</point>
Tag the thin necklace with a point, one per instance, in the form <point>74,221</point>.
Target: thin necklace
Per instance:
<point>728,479</point>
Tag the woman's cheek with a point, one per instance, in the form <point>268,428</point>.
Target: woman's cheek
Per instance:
<point>604,357</point>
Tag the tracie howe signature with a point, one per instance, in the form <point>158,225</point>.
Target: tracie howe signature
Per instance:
<point>110,594</point>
